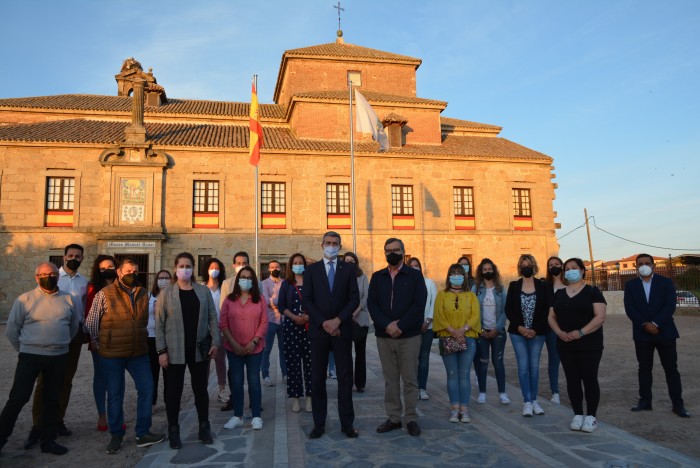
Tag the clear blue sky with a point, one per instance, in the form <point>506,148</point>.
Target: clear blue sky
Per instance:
<point>607,88</point>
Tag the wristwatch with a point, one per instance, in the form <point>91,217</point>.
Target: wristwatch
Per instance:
<point>580,333</point>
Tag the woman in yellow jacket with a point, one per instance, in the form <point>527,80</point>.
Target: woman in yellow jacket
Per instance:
<point>457,323</point>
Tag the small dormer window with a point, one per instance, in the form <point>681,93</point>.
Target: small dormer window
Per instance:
<point>355,77</point>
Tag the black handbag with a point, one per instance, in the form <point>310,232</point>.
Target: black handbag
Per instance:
<point>205,346</point>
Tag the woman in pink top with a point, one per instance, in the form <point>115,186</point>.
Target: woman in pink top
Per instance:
<point>243,322</point>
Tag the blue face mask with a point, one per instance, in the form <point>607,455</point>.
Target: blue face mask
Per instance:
<point>330,252</point>
<point>246,284</point>
<point>298,269</point>
<point>466,268</point>
<point>572,276</point>
<point>456,280</point>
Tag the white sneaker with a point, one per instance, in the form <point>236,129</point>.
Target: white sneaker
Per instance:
<point>555,398</point>
<point>464,416</point>
<point>267,382</point>
<point>482,398</point>
<point>527,409</point>
<point>503,397</point>
<point>308,404</point>
<point>537,409</point>
<point>233,423</point>
<point>295,405</point>
<point>589,424</point>
<point>332,375</point>
<point>576,423</point>
<point>222,396</point>
<point>454,415</point>
<point>257,423</point>
<point>423,395</point>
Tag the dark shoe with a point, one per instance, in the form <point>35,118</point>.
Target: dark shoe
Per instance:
<point>413,428</point>
<point>174,437</point>
<point>641,406</point>
<point>681,411</point>
<point>228,406</point>
<point>149,439</point>
<point>360,389</point>
<point>115,445</point>
<point>317,432</point>
<point>387,426</point>
<point>53,447</point>
<point>350,432</point>
<point>205,433</point>
<point>33,439</point>
<point>63,431</point>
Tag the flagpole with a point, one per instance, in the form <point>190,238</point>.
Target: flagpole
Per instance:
<point>353,206</point>
<point>255,189</point>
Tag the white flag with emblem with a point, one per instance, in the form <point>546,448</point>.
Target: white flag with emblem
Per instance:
<point>368,122</point>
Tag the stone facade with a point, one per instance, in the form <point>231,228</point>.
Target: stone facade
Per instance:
<point>136,197</point>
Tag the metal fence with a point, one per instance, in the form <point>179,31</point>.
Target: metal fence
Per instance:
<point>685,277</point>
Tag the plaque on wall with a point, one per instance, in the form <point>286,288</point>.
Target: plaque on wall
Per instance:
<point>132,194</point>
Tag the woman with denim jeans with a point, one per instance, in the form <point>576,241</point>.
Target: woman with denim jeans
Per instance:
<point>554,280</point>
<point>427,333</point>
<point>492,297</point>
<point>456,319</point>
<point>244,325</point>
<point>527,308</point>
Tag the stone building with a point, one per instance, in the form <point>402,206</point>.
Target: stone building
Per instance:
<point>143,174</point>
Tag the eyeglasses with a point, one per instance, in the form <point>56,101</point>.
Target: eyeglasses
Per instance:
<point>397,250</point>
<point>47,275</point>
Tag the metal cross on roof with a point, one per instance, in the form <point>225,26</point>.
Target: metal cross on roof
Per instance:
<point>337,7</point>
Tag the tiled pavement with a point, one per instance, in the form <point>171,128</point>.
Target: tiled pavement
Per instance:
<point>498,435</point>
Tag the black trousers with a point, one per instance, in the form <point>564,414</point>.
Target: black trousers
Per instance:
<point>359,338</point>
<point>155,368</point>
<point>174,380</point>
<point>29,367</point>
<point>581,368</point>
<point>342,349</point>
<point>669,359</point>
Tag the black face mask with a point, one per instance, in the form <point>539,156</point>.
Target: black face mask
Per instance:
<point>129,280</point>
<point>48,283</point>
<point>488,275</point>
<point>394,258</point>
<point>108,274</point>
<point>275,273</point>
<point>555,271</point>
<point>73,264</point>
<point>527,271</point>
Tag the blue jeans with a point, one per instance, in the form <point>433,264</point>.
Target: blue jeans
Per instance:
<point>426,342</point>
<point>140,370</point>
<point>99,386</point>
<point>495,347</point>
<point>458,366</point>
<point>236,365</point>
<point>553,362</point>
<point>273,330</point>
<point>527,354</point>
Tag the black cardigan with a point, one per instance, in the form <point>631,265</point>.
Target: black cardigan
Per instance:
<point>514,310</point>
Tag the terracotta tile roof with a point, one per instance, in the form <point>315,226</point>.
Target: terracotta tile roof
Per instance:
<point>236,136</point>
<point>342,95</point>
<point>466,124</point>
<point>91,102</point>
<point>342,50</point>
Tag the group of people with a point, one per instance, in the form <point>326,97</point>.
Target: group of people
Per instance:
<point>317,311</point>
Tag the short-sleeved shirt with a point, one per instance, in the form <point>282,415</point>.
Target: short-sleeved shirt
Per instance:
<point>573,313</point>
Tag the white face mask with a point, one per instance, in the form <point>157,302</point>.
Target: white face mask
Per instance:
<point>645,270</point>
<point>163,283</point>
<point>331,251</point>
<point>214,273</point>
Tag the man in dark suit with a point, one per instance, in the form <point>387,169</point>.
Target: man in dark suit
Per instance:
<point>650,301</point>
<point>396,302</point>
<point>330,295</point>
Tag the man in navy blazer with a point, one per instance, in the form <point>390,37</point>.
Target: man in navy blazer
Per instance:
<point>650,301</point>
<point>396,302</point>
<point>330,295</point>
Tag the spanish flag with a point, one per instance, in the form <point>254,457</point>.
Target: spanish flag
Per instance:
<point>256,135</point>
